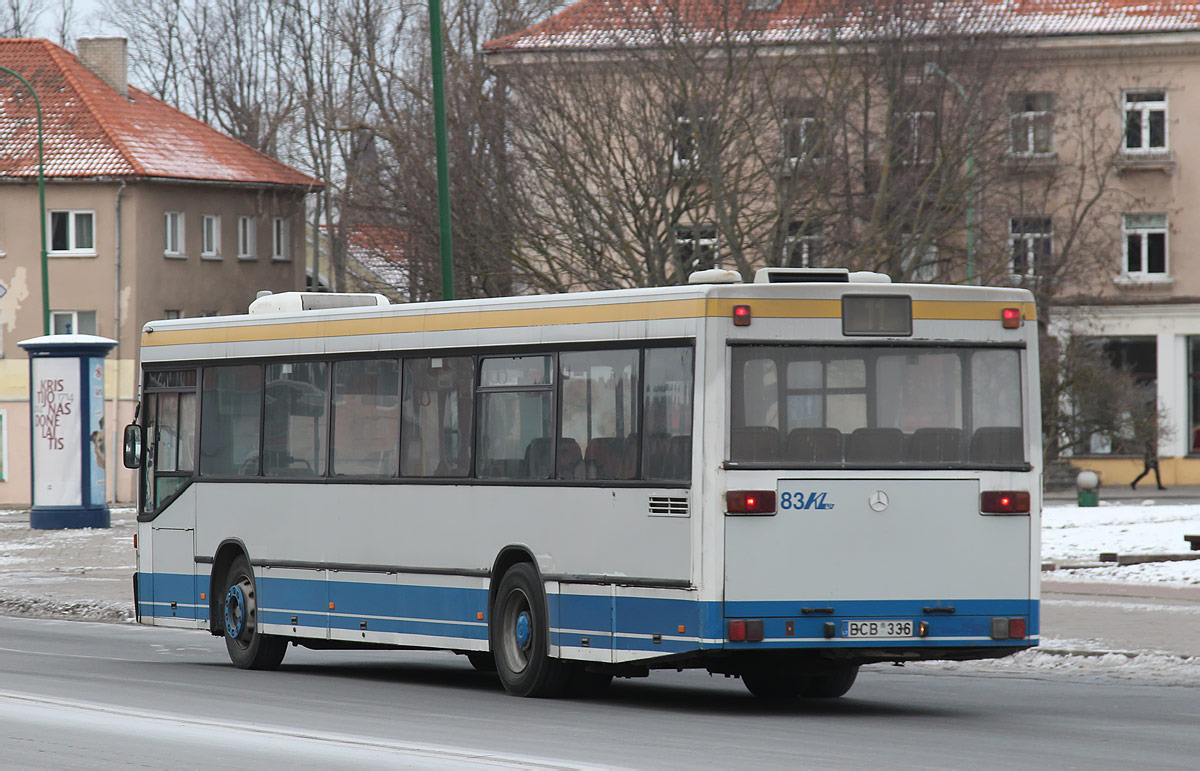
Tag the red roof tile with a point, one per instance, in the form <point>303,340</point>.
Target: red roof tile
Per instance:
<point>612,24</point>
<point>90,130</point>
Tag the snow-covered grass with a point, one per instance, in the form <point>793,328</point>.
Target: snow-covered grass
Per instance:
<point>1081,534</point>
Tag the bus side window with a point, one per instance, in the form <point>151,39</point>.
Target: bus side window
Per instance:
<point>231,404</point>
<point>599,409</point>
<point>366,416</point>
<point>666,453</point>
<point>437,416</point>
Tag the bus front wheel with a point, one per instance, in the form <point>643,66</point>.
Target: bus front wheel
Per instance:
<point>248,648</point>
<point>520,636</point>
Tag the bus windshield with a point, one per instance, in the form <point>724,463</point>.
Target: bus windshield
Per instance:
<point>876,406</point>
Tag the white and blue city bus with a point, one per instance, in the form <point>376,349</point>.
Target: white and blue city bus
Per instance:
<point>780,480</point>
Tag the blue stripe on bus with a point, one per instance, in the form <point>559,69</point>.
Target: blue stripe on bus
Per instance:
<point>621,623</point>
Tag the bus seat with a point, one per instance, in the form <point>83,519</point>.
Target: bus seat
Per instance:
<point>756,443</point>
<point>936,445</point>
<point>537,458</point>
<point>875,445</point>
<point>814,444</point>
<point>998,444</point>
<point>607,456</point>
<point>570,459</point>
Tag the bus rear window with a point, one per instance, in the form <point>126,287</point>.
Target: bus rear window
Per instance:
<point>861,406</point>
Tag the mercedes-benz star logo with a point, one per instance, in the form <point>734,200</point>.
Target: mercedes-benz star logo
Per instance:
<point>878,500</point>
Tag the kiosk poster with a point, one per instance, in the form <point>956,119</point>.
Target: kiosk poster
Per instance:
<point>96,430</point>
<point>56,432</point>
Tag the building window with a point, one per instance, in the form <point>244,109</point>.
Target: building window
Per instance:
<point>1145,121</point>
<point>281,241</point>
<point>1145,244</point>
<point>694,133</point>
<point>919,260</point>
<point>73,322</point>
<point>172,314</point>
<point>804,246</point>
<point>72,232</point>
<point>1139,357</point>
<point>1030,240</point>
<point>173,221</point>
<point>696,246</point>
<point>1031,124</point>
<point>210,236</point>
<point>801,131</point>
<point>247,236</point>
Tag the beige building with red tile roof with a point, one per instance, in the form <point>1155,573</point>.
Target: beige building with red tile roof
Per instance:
<point>149,214</point>
<point>1145,59</point>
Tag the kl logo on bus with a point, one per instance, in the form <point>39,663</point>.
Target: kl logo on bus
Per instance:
<point>798,501</point>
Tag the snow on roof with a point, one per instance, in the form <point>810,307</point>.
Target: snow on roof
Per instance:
<point>91,130</point>
<point>614,24</point>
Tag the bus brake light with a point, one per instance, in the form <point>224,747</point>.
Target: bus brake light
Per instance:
<point>1011,318</point>
<point>1004,502</point>
<point>741,315</point>
<point>750,501</point>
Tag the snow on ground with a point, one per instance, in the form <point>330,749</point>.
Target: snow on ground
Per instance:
<point>1079,659</point>
<point>1081,534</point>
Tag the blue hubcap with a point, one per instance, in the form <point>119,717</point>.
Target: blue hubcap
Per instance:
<point>235,612</point>
<point>523,631</point>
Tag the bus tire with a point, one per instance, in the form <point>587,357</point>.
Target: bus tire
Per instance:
<point>831,685</point>
<point>520,636</point>
<point>774,686</point>
<point>248,648</point>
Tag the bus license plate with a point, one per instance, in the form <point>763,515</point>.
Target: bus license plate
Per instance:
<point>877,629</point>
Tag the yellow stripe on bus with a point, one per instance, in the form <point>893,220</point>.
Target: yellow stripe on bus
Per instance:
<point>454,321</point>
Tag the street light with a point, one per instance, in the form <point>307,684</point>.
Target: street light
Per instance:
<point>933,68</point>
<point>41,204</point>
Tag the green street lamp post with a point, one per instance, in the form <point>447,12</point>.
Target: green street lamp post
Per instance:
<point>41,203</point>
<point>439,132</point>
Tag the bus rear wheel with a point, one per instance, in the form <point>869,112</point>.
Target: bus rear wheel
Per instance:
<point>831,685</point>
<point>520,636</point>
<point>248,648</point>
<point>774,686</point>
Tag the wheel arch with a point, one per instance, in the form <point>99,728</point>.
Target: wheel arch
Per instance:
<point>513,554</point>
<point>229,550</point>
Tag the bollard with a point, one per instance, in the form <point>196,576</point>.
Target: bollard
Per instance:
<point>1088,486</point>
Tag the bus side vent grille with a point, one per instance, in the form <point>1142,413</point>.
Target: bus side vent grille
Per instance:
<point>662,506</point>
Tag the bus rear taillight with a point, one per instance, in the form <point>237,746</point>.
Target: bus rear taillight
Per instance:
<point>750,501</point>
<point>1004,502</point>
<point>1008,629</point>
<point>750,630</point>
<point>1010,318</point>
<point>741,315</point>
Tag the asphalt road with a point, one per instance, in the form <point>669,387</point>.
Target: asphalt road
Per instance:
<point>83,695</point>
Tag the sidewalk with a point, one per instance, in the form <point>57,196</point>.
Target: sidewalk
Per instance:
<point>80,574</point>
<point>1145,493</point>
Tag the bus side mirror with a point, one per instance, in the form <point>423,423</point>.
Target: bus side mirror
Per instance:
<point>133,446</point>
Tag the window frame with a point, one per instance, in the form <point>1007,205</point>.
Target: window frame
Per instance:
<point>173,234</point>
<point>806,239</point>
<point>702,239</point>
<point>210,236</point>
<point>73,249</point>
<point>1145,109</point>
<point>247,233</point>
<point>281,239</point>
<point>1030,117</point>
<point>1029,239</point>
<point>1143,233</point>
<point>74,322</point>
